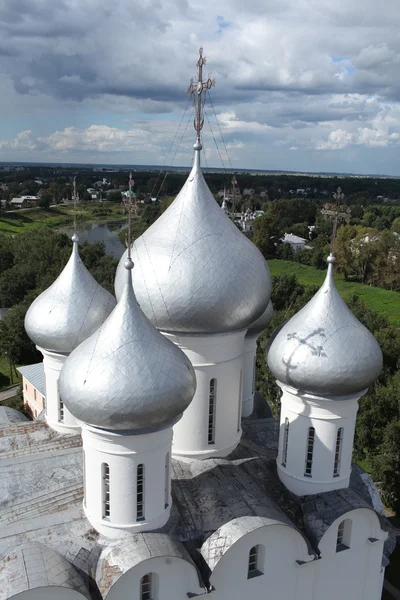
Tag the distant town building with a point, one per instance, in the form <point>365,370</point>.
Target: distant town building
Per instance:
<point>34,388</point>
<point>24,202</point>
<point>295,241</point>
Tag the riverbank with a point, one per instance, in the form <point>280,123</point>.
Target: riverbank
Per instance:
<point>384,302</point>
<point>12,223</point>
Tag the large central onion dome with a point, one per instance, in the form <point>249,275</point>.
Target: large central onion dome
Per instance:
<point>70,310</point>
<point>261,323</point>
<point>127,375</point>
<point>324,350</point>
<point>195,272</point>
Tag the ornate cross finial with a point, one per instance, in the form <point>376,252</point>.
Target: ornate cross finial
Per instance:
<point>131,206</point>
<point>198,87</point>
<point>339,197</point>
<point>74,188</point>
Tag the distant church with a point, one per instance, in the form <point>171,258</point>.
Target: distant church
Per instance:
<point>155,471</point>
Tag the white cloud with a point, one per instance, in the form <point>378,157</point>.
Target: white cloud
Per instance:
<point>316,75</point>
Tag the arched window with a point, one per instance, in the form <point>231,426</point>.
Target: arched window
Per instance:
<point>343,535</point>
<point>106,490</point>
<point>61,412</point>
<point>309,452</point>
<point>166,485</point>
<point>240,401</point>
<point>256,562</point>
<point>147,587</point>
<point>338,452</point>
<point>211,411</point>
<point>140,493</point>
<point>285,442</point>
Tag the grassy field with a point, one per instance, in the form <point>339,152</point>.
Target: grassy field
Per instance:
<point>15,222</point>
<point>384,302</point>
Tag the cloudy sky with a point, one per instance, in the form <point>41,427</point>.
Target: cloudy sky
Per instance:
<point>306,85</point>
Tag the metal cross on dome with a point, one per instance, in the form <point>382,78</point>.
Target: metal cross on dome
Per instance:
<point>198,87</point>
<point>339,197</point>
<point>131,207</point>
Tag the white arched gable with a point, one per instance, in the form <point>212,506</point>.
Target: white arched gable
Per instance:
<point>365,526</point>
<point>173,577</point>
<point>50,592</point>
<point>280,549</point>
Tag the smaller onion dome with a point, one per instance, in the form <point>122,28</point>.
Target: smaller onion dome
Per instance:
<point>70,310</point>
<point>324,350</point>
<point>262,322</point>
<point>127,375</point>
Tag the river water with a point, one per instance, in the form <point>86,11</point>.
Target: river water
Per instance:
<point>101,232</point>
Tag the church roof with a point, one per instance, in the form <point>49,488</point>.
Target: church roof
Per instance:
<point>195,272</point>
<point>70,310</point>
<point>41,502</point>
<point>10,415</point>
<point>324,350</point>
<point>33,565</point>
<point>127,375</point>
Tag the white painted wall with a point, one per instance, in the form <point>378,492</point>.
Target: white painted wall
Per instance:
<point>282,578</point>
<point>359,568</point>
<point>353,574</point>
<point>213,356</point>
<point>123,453</point>
<point>250,350</point>
<point>326,416</point>
<point>53,364</point>
<point>176,578</point>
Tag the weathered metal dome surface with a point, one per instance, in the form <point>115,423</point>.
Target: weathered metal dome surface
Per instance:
<point>127,375</point>
<point>324,350</point>
<point>262,322</point>
<point>70,310</point>
<point>195,272</point>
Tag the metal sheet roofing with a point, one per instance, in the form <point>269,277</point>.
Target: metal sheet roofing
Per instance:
<point>35,375</point>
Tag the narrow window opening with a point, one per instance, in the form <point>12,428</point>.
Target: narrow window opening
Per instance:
<point>211,411</point>
<point>44,402</point>
<point>255,562</point>
<point>140,493</point>
<point>240,401</point>
<point>338,452</point>
<point>106,491</point>
<point>34,394</point>
<point>61,411</point>
<point>343,535</point>
<point>146,587</point>
<point>285,443</point>
<point>166,490</point>
<point>309,452</point>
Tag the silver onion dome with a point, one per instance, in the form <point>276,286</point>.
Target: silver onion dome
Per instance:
<point>195,272</point>
<point>70,310</point>
<point>127,375</point>
<point>262,322</point>
<point>324,350</point>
